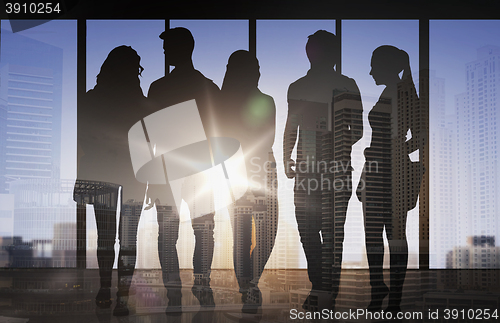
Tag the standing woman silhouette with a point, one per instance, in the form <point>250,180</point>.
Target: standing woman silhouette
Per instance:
<point>390,181</point>
<point>248,115</point>
<point>104,118</point>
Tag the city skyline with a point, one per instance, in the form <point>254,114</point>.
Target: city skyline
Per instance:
<point>443,61</point>
<point>460,117</point>
<point>456,216</point>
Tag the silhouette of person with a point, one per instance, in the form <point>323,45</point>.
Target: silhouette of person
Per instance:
<point>184,83</point>
<point>316,106</point>
<point>390,181</point>
<point>104,165</point>
<point>248,115</point>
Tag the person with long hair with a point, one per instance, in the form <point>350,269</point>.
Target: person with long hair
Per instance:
<point>390,181</point>
<point>248,115</point>
<point>105,175</point>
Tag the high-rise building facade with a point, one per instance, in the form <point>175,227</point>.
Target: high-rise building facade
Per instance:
<point>243,238</point>
<point>272,209</point>
<point>44,220</point>
<point>130,215</point>
<point>441,173</point>
<point>169,216</point>
<point>30,109</point>
<point>336,182</point>
<point>479,253</point>
<point>478,171</point>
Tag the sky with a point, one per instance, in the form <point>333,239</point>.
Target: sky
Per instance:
<point>452,44</point>
<point>281,52</point>
<point>61,33</point>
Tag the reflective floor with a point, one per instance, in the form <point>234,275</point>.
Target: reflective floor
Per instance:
<point>68,295</point>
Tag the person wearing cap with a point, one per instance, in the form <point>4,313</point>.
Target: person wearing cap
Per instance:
<point>182,84</point>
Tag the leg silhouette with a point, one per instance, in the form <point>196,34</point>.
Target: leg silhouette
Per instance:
<point>399,264</point>
<point>375,255</point>
<point>168,234</point>
<point>106,233</point>
<point>203,227</point>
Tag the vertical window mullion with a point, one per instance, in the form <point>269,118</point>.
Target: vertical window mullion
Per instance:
<point>338,33</point>
<point>81,86</point>
<point>252,36</point>
<point>167,67</point>
<point>424,106</point>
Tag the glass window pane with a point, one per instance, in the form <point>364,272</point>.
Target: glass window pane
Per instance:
<point>37,145</point>
<point>282,57</point>
<point>464,121</point>
<point>359,39</point>
<point>215,41</point>
<point>143,36</point>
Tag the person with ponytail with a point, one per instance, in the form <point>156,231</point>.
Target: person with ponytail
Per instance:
<point>390,181</point>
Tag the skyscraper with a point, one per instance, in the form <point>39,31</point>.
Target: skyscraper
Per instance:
<point>336,190</point>
<point>442,177</point>
<point>44,218</point>
<point>272,211</point>
<point>169,215</point>
<point>242,224</point>
<point>64,245</point>
<point>478,171</point>
<point>30,109</point>
<point>480,253</point>
<point>131,212</point>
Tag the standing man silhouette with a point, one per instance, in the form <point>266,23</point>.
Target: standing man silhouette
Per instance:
<point>184,83</point>
<point>314,104</point>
